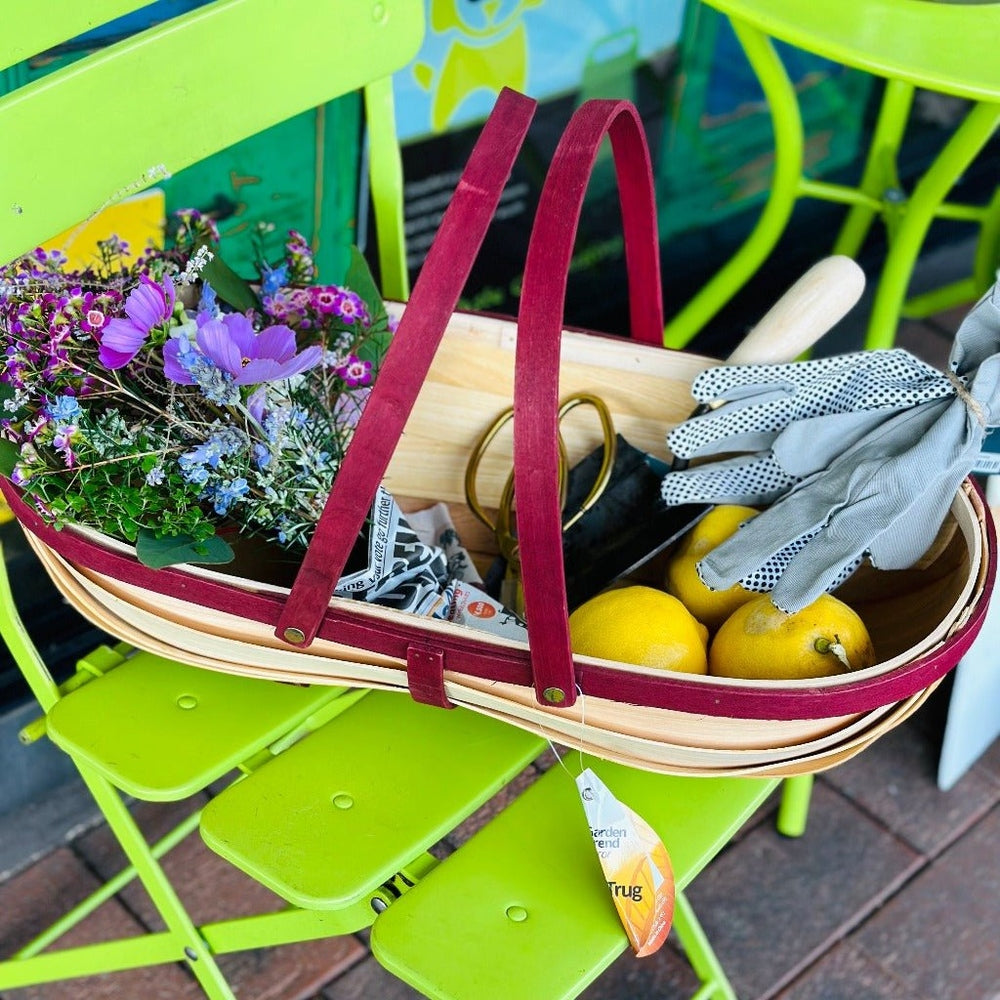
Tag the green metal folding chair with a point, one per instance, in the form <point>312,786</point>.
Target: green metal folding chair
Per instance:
<point>382,777</point>
<point>948,48</point>
<point>77,139</point>
<point>111,124</point>
<point>522,909</point>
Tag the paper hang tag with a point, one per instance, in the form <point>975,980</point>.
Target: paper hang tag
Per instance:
<point>635,864</point>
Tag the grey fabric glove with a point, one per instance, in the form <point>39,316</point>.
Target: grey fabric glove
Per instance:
<point>848,475</point>
<point>836,401</point>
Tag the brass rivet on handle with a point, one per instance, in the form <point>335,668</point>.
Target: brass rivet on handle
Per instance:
<point>293,634</point>
<point>554,695</point>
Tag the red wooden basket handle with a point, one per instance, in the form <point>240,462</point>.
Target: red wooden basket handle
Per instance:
<point>536,371</point>
<point>434,298</point>
<point>404,368</point>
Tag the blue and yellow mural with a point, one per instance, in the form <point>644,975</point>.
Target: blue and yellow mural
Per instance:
<point>546,48</point>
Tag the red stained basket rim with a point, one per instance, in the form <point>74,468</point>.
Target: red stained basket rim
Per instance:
<point>465,651</point>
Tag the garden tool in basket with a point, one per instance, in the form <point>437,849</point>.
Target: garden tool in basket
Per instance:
<point>858,457</point>
<point>604,462</point>
<point>618,519</point>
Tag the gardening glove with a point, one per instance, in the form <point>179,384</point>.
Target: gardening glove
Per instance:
<point>838,400</point>
<point>873,482</point>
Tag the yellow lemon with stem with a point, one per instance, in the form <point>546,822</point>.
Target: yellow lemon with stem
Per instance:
<point>711,607</point>
<point>759,642</point>
<point>640,625</point>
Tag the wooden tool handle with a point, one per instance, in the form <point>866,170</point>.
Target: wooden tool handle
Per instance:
<point>811,307</point>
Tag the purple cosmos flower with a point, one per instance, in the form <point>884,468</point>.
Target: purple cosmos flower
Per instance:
<point>250,358</point>
<point>147,306</point>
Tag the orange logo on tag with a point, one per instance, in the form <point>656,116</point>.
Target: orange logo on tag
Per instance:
<point>481,609</point>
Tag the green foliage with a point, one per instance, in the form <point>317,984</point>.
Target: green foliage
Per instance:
<point>158,552</point>
<point>229,286</point>
<point>359,278</point>
<point>9,454</point>
<point>115,498</point>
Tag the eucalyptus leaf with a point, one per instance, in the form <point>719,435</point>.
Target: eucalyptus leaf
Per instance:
<point>228,285</point>
<point>9,454</point>
<point>156,553</point>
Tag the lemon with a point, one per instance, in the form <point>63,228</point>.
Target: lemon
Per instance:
<point>640,625</point>
<point>711,607</point>
<point>760,642</point>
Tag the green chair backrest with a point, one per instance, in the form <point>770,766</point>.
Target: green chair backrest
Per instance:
<point>111,123</point>
<point>948,47</point>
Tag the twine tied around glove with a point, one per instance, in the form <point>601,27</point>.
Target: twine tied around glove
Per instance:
<point>970,401</point>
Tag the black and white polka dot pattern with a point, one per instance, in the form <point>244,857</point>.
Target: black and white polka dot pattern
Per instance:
<point>753,480</point>
<point>761,400</point>
<point>766,576</point>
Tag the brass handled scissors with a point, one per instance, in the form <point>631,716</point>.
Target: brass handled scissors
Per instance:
<point>503,525</point>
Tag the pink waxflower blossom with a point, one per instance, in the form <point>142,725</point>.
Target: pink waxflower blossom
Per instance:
<point>355,372</point>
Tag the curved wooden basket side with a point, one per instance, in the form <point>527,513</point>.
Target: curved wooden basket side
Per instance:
<point>925,604</point>
<point>652,739</point>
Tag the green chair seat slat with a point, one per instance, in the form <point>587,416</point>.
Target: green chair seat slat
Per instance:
<point>161,730</point>
<point>176,102</point>
<point>948,47</point>
<point>345,809</point>
<point>453,936</point>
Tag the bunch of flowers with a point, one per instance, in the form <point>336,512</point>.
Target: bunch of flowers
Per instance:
<point>160,400</point>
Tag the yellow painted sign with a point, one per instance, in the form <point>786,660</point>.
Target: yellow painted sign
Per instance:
<point>138,221</point>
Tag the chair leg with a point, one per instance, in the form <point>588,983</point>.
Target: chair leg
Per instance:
<point>879,177</point>
<point>987,257</point>
<point>789,143</point>
<point>110,888</point>
<point>189,946</point>
<point>386,166</point>
<point>793,812</point>
<point>714,984</point>
<point>958,153</point>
